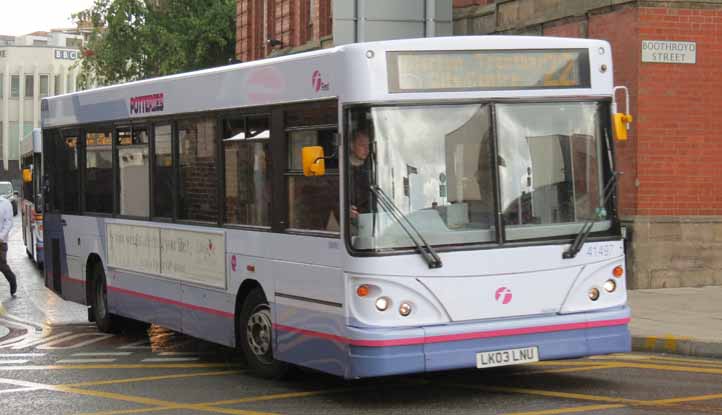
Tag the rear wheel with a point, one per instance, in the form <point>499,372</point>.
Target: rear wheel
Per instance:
<point>255,335</point>
<point>105,321</point>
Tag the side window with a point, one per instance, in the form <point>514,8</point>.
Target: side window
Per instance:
<point>27,187</point>
<point>133,180</point>
<point>198,198</point>
<point>248,173</point>
<point>69,174</point>
<point>312,201</point>
<point>163,173</point>
<point>99,172</point>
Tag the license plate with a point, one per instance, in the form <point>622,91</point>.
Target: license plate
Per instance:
<point>507,357</point>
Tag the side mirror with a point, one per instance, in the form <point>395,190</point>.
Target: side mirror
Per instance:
<point>16,193</point>
<point>620,120</point>
<point>27,176</point>
<point>313,161</point>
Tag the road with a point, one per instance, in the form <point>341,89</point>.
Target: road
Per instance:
<point>53,362</point>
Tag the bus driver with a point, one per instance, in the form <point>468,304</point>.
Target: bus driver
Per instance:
<point>360,183</point>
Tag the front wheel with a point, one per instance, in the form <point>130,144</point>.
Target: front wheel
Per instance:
<point>103,319</point>
<point>255,335</point>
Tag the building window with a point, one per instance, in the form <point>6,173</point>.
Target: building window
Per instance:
<point>198,195</point>
<point>29,86</point>
<point>163,173</point>
<point>69,84</point>
<point>38,42</point>
<point>248,171</point>
<point>73,43</point>
<point>15,86</point>
<point>44,79</point>
<point>99,172</point>
<point>134,180</point>
<point>1,84</point>
<point>56,85</point>
<point>309,26</point>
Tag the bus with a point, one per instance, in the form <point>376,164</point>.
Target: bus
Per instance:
<point>31,205</point>
<point>365,210</point>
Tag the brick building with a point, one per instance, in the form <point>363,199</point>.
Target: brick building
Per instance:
<point>671,191</point>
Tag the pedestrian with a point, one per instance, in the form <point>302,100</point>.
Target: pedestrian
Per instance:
<point>6,224</point>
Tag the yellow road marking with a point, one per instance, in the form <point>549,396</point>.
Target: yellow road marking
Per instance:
<point>127,411</point>
<point>572,369</point>
<point>688,399</point>
<point>123,366</point>
<point>553,394</point>
<point>152,402</point>
<point>214,405</point>
<point>690,369</point>
<point>281,396</point>
<point>575,409</point>
<point>683,360</point>
<point>151,378</point>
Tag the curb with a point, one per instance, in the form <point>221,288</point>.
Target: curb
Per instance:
<point>676,345</point>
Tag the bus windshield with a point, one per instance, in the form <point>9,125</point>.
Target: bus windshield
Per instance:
<point>436,166</point>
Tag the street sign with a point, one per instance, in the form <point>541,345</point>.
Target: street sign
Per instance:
<point>662,51</point>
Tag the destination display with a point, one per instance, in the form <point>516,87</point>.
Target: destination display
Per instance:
<point>488,70</point>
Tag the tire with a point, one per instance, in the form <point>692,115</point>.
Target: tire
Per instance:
<point>255,337</point>
<point>106,322</point>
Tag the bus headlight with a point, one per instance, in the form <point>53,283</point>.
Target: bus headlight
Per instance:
<point>610,286</point>
<point>405,309</point>
<point>382,303</point>
<point>593,294</point>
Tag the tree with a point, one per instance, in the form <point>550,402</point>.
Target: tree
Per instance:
<point>139,39</point>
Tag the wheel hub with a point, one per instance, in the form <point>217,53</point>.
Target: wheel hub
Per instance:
<point>258,333</point>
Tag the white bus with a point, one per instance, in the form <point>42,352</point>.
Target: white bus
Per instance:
<point>458,209</point>
<point>31,205</point>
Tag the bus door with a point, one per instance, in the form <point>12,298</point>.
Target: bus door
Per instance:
<point>63,198</point>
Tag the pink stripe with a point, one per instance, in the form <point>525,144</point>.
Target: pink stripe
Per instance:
<point>172,302</point>
<point>75,280</point>
<point>455,337</point>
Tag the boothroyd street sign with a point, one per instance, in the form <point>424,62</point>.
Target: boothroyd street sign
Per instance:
<point>662,51</point>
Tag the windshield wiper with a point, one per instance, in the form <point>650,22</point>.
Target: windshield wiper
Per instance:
<point>576,246</point>
<point>426,251</point>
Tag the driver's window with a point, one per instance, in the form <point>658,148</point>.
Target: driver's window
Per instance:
<point>313,201</point>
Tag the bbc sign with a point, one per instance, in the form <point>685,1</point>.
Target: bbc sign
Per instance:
<point>70,55</point>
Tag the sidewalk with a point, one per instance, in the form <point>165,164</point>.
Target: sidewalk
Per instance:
<point>685,321</point>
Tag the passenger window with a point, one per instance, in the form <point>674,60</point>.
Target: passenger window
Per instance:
<point>197,199</point>
<point>68,166</point>
<point>313,202</point>
<point>248,171</point>
<point>99,172</point>
<point>133,165</point>
<point>163,177</point>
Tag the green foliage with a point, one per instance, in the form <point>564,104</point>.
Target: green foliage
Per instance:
<point>139,39</point>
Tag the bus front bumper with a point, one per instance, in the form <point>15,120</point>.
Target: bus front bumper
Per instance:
<point>374,352</point>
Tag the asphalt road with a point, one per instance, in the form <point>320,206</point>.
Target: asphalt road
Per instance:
<point>53,362</point>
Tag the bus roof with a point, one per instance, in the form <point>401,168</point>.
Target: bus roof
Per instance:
<point>352,73</point>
